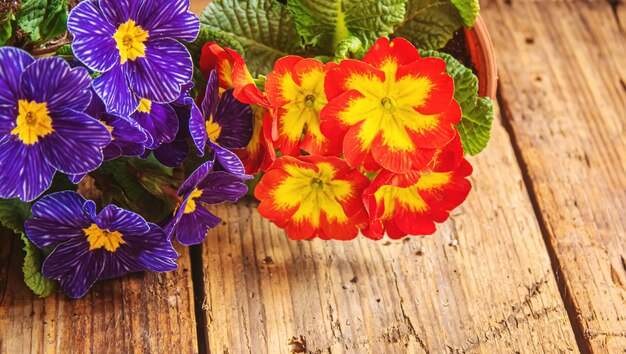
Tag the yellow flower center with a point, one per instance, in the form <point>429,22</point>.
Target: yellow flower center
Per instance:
<point>309,101</point>
<point>191,206</point>
<point>130,39</point>
<point>388,104</point>
<point>313,192</point>
<point>98,238</point>
<point>33,122</point>
<point>109,128</point>
<point>145,106</point>
<point>213,129</point>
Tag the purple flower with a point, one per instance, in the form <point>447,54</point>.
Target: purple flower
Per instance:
<point>128,138</point>
<point>158,121</point>
<point>192,220</point>
<point>42,125</point>
<point>91,247</point>
<point>134,44</point>
<point>225,123</point>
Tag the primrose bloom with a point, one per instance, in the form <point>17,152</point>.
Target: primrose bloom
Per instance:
<point>225,123</point>
<point>411,203</point>
<point>133,43</point>
<point>296,90</point>
<point>91,247</point>
<point>233,73</point>
<point>391,110</point>
<point>192,220</point>
<point>43,128</point>
<point>127,138</point>
<point>313,196</point>
<point>158,121</point>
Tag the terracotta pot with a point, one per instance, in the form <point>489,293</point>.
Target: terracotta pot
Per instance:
<point>483,57</point>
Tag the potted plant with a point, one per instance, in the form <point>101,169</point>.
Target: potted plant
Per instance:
<point>121,121</point>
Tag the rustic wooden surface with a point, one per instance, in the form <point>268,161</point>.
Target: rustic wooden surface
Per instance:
<point>149,313</point>
<point>563,95</point>
<point>534,262</point>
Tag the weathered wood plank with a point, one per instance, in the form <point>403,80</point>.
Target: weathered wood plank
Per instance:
<point>563,92</point>
<point>482,284</point>
<point>144,313</point>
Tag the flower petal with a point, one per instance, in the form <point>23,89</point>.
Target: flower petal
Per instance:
<point>76,145</point>
<point>235,119</point>
<point>160,125</point>
<point>193,227</point>
<point>196,177</point>
<point>114,218</point>
<point>157,253</point>
<point>112,87</point>
<point>219,187</point>
<point>93,42</point>
<point>169,19</point>
<point>44,233</point>
<point>160,74</point>
<point>14,61</point>
<point>65,208</point>
<point>172,154</point>
<point>23,170</point>
<point>51,80</point>
<point>229,161</point>
<point>120,11</point>
<point>74,266</point>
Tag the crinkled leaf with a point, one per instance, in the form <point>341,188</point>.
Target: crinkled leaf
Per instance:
<point>475,127</point>
<point>429,24</point>
<point>265,29</point>
<point>43,19</point>
<point>468,9</point>
<point>327,23</point>
<point>351,47</point>
<point>33,278</point>
<point>6,28</point>
<point>13,213</point>
<point>55,20</point>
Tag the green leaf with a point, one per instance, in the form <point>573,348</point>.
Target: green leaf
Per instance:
<point>429,24</point>
<point>30,16</point>
<point>43,19</point>
<point>327,23</point>
<point>265,29</point>
<point>351,47</point>
<point>475,127</point>
<point>33,278</point>
<point>6,28</point>
<point>13,213</point>
<point>143,186</point>
<point>65,51</point>
<point>468,9</point>
<point>55,20</point>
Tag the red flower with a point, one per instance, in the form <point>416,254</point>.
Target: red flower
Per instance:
<point>296,90</point>
<point>259,154</point>
<point>411,203</point>
<point>391,110</point>
<point>233,73</point>
<point>313,196</point>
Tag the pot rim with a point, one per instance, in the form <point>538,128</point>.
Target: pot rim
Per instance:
<point>483,57</point>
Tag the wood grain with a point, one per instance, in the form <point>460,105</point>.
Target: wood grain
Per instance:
<point>482,284</point>
<point>140,313</point>
<point>563,92</point>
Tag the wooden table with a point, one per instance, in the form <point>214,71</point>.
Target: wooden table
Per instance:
<point>534,262</point>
